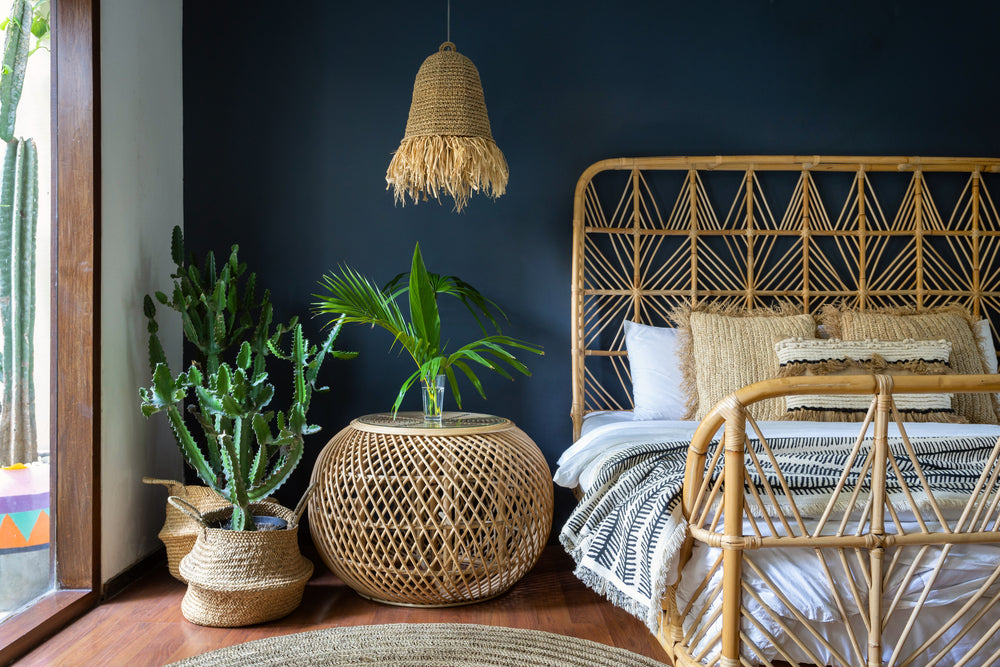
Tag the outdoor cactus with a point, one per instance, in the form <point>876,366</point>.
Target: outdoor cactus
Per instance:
<point>247,451</point>
<point>216,312</point>
<point>18,224</point>
<point>15,60</point>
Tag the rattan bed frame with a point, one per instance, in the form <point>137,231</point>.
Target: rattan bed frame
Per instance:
<point>652,233</point>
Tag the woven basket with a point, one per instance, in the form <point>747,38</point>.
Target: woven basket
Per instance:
<point>179,530</point>
<point>238,578</point>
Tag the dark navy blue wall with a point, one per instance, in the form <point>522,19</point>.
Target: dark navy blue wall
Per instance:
<point>292,111</point>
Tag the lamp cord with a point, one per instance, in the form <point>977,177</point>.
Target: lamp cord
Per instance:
<point>449,20</point>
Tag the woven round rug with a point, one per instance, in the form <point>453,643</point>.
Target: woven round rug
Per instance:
<point>421,645</point>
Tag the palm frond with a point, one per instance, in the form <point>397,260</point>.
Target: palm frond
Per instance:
<point>423,303</point>
<point>450,374</point>
<point>403,389</point>
<point>467,371</point>
<point>480,307</point>
<point>352,298</point>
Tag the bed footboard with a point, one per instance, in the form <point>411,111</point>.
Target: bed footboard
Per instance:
<point>881,536</point>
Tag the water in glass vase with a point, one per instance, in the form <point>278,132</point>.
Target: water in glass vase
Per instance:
<point>433,395</point>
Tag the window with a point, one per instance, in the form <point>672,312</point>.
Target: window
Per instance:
<point>73,387</point>
<point>25,285</point>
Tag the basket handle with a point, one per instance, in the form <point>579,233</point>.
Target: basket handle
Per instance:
<point>300,508</point>
<point>189,509</point>
<point>164,482</point>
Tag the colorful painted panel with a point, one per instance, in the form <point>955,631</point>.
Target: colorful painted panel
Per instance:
<point>24,508</point>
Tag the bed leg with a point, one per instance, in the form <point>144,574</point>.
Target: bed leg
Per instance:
<point>875,609</point>
<point>876,546</point>
<point>734,439</point>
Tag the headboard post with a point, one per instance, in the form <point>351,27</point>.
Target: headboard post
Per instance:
<point>976,278</point>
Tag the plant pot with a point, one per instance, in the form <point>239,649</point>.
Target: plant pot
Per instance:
<point>238,578</point>
<point>179,530</point>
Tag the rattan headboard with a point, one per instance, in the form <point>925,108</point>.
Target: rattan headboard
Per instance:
<point>651,233</point>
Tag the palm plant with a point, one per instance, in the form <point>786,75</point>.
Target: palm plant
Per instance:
<point>352,297</point>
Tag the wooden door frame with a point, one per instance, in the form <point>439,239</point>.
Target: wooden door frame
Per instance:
<point>75,369</point>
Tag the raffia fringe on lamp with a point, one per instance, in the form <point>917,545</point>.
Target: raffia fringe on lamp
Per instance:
<point>448,147</point>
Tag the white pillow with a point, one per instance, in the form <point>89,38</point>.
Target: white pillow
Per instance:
<point>656,372</point>
<point>985,339</point>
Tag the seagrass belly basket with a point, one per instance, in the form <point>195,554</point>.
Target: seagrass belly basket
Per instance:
<point>238,578</point>
<point>179,531</point>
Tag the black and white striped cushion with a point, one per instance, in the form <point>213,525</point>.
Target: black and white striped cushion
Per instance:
<point>815,356</point>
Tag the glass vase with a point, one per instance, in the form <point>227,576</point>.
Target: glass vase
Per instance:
<point>433,395</point>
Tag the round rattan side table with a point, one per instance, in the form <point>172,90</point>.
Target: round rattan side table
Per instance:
<point>416,515</point>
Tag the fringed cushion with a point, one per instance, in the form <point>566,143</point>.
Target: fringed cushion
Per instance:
<point>799,356</point>
<point>727,348</point>
<point>950,323</point>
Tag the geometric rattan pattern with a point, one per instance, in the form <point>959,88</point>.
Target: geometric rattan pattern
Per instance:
<point>654,233</point>
<point>430,517</point>
<point>866,541</point>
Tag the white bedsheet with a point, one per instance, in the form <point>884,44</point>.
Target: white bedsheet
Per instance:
<point>800,573</point>
<point>605,433</point>
<point>800,576</point>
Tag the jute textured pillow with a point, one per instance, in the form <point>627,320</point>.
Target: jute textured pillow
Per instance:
<point>729,351</point>
<point>805,356</point>
<point>948,323</point>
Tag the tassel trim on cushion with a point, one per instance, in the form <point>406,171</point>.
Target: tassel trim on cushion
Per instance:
<point>838,415</point>
<point>876,365</point>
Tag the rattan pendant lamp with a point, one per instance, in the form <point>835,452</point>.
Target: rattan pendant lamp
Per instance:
<point>448,147</point>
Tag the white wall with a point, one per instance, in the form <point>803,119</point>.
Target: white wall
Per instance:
<point>141,201</point>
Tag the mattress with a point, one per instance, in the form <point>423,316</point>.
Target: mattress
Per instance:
<point>800,573</point>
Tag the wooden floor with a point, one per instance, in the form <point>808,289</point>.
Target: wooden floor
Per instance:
<point>143,626</point>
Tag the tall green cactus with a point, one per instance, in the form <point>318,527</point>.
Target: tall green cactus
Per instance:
<point>15,60</point>
<point>18,225</point>
<point>241,456</point>
<point>18,222</point>
<point>218,308</point>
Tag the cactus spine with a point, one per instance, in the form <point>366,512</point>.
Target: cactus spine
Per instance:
<point>18,224</point>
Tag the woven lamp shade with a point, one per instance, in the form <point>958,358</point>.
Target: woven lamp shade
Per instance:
<point>448,147</point>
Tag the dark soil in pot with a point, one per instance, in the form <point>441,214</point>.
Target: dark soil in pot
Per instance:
<point>261,522</point>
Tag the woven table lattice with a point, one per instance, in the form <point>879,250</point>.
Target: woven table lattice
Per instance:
<point>433,517</point>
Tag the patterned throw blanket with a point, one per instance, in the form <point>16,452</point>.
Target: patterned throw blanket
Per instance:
<point>626,533</point>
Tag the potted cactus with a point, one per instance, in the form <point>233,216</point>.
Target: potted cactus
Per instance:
<point>219,309</point>
<point>242,568</point>
<point>237,574</point>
